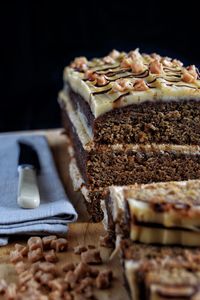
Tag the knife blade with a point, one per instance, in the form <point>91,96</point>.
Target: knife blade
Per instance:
<point>28,169</point>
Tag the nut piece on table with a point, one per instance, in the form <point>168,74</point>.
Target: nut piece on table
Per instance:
<point>50,256</point>
<point>68,267</point>
<point>47,241</point>
<point>81,270</point>
<point>15,256</point>
<point>22,249</point>
<point>71,279</point>
<point>91,256</point>
<point>47,267</point>
<point>59,245</point>
<point>34,243</point>
<point>35,255</point>
<point>103,280</point>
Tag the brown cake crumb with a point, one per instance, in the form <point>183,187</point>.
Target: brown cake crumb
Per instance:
<point>91,256</point>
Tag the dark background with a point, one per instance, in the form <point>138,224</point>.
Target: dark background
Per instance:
<point>38,38</point>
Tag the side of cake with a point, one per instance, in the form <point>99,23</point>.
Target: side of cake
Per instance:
<point>158,213</point>
<point>160,272</point>
<point>132,118</point>
<point>135,98</point>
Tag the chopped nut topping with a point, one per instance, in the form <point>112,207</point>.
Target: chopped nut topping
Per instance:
<point>80,63</point>
<point>192,70</point>
<point>155,67</point>
<point>189,75</point>
<point>137,66</point>
<point>140,85</point>
<point>114,54</point>
<point>166,61</point>
<point>91,75</point>
<point>126,62</point>
<point>156,56</point>
<point>91,257</point>
<point>108,60</point>
<point>177,62</point>
<point>122,85</point>
<point>133,61</point>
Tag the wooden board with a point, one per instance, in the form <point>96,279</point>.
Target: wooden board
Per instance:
<point>81,232</point>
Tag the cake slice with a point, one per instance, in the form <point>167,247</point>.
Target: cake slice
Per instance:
<point>130,98</point>
<point>132,118</point>
<point>159,213</point>
<point>159,273</point>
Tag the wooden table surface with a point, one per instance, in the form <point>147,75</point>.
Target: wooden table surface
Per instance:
<point>82,232</point>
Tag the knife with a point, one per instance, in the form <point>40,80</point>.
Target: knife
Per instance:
<point>28,169</point>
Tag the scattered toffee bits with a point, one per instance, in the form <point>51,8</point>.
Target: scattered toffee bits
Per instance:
<point>41,278</point>
<point>91,256</point>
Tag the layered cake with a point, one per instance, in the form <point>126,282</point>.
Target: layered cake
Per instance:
<point>165,213</point>
<point>159,273</point>
<point>131,118</point>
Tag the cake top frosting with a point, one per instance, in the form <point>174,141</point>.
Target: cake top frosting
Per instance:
<point>120,79</point>
<point>180,194</point>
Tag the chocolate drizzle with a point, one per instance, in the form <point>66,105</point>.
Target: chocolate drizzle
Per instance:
<point>118,98</point>
<point>101,92</point>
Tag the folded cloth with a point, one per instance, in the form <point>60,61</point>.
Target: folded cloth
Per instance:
<point>55,210</point>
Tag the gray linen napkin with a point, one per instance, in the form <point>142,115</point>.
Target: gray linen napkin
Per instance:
<point>55,210</point>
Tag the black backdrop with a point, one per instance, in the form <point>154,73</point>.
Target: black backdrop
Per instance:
<point>38,38</point>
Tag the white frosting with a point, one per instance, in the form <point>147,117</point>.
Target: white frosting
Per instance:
<point>131,267</point>
<point>102,103</point>
<point>117,201</point>
<point>172,218</point>
<point>152,235</point>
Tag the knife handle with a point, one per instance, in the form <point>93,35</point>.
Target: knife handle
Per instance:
<point>28,192</point>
